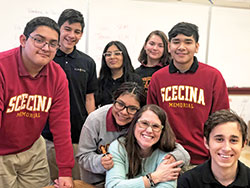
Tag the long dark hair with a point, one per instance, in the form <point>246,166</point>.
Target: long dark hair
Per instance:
<point>105,71</point>
<point>166,142</point>
<point>165,59</point>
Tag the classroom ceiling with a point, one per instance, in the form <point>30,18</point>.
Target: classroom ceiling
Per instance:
<point>224,3</point>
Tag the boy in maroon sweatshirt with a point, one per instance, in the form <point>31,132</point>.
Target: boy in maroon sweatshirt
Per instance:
<point>33,90</point>
<point>188,90</point>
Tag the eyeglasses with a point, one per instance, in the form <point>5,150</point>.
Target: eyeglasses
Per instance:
<point>119,105</point>
<point>40,42</point>
<point>115,53</point>
<point>145,124</point>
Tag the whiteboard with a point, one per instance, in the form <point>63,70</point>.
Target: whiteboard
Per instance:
<point>224,42</point>
<point>15,14</point>
<point>229,46</point>
<point>130,21</point>
<point>241,105</point>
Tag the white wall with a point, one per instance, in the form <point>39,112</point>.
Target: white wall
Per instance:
<point>224,37</point>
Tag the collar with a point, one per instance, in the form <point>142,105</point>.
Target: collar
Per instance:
<point>144,64</point>
<point>73,54</point>
<point>193,68</point>
<point>22,70</point>
<point>110,121</point>
<point>240,181</point>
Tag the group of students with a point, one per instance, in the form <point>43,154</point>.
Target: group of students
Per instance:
<point>147,128</point>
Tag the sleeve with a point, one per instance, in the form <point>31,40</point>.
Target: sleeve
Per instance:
<point>168,184</point>
<point>180,153</point>
<point>87,156</point>
<point>116,176</point>
<point>1,97</point>
<point>92,79</point>
<point>151,94</point>
<point>59,120</point>
<point>220,94</point>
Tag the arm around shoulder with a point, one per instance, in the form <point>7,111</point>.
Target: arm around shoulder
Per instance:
<point>180,153</point>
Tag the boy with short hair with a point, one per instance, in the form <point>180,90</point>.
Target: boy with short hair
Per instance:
<point>188,90</point>
<point>34,89</point>
<point>225,135</point>
<point>81,73</point>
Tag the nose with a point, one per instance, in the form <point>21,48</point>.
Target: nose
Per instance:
<point>226,146</point>
<point>124,111</point>
<point>181,46</point>
<point>112,55</point>
<point>149,129</point>
<point>71,34</point>
<point>45,46</point>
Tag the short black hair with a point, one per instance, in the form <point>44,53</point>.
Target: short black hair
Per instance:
<point>187,29</point>
<point>224,116</point>
<point>33,24</point>
<point>72,16</point>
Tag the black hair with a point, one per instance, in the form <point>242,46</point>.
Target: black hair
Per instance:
<point>131,88</point>
<point>187,29</point>
<point>72,16</point>
<point>224,116</point>
<point>33,24</point>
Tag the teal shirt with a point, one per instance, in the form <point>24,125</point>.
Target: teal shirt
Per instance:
<point>116,176</point>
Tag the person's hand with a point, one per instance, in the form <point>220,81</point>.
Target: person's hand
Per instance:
<point>64,182</point>
<point>166,172</point>
<point>170,158</point>
<point>107,161</point>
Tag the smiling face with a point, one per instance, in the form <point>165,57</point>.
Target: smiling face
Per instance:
<point>225,146</point>
<point>115,61</point>
<point>182,49</point>
<point>70,35</point>
<point>154,48</point>
<point>35,58</point>
<point>146,138</point>
<point>122,117</point>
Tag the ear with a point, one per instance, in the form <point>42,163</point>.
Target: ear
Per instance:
<point>206,143</point>
<point>81,35</point>
<point>22,40</point>
<point>197,45</point>
<point>168,47</point>
<point>245,143</point>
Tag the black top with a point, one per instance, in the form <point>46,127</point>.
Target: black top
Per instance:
<point>202,177</point>
<point>146,73</point>
<point>105,94</point>
<point>81,73</point>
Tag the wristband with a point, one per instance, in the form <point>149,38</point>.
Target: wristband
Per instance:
<point>152,184</point>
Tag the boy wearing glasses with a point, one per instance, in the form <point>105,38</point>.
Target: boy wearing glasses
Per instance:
<point>188,90</point>
<point>225,135</point>
<point>81,73</point>
<point>33,90</point>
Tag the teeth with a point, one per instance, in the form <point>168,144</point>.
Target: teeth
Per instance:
<point>149,137</point>
<point>225,156</point>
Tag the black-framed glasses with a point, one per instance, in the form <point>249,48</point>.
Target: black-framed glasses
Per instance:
<point>145,124</point>
<point>40,42</point>
<point>115,53</point>
<point>119,105</point>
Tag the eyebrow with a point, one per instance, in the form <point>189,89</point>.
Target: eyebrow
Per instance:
<point>52,40</point>
<point>220,135</point>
